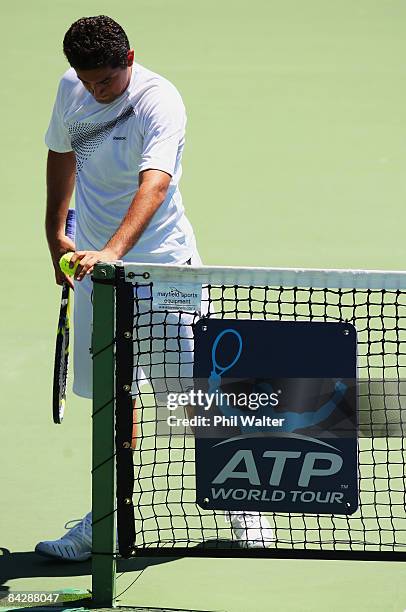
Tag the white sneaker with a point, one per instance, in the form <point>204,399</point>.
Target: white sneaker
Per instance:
<point>251,529</point>
<point>75,545</point>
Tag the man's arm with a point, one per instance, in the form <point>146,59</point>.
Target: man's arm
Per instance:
<point>61,169</point>
<point>153,186</point>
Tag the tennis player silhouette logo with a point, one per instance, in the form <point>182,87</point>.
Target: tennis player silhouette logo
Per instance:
<point>291,421</point>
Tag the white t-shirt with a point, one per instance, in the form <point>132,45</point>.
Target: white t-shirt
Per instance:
<point>142,129</point>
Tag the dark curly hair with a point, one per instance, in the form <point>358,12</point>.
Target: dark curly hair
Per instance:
<point>95,42</point>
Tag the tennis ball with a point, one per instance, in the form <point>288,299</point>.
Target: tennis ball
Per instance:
<point>64,264</point>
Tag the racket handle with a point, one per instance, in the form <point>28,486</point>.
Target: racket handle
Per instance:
<point>70,224</point>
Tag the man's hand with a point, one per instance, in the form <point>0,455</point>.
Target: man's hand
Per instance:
<point>153,186</point>
<point>87,260</point>
<point>57,249</point>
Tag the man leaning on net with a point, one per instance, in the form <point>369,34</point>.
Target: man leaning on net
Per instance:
<point>116,136</point>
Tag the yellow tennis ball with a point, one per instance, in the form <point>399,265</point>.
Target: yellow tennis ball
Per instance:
<point>64,264</point>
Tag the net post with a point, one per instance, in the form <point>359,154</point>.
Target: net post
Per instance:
<point>103,436</point>
<point>124,414</point>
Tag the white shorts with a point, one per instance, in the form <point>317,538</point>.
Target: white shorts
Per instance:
<point>164,350</point>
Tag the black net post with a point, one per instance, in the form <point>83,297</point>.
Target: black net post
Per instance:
<point>103,473</point>
<point>124,415</point>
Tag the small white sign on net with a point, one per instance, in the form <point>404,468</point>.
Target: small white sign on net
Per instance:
<point>176,296</point>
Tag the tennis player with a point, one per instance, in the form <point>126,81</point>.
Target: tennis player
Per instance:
<point>116,136</point>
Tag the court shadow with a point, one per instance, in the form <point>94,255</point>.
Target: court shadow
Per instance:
<point>30,565</point>
<point>219,544</point>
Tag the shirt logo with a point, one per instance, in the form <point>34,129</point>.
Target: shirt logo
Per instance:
<point>119,137</point>
<point>86,138</point>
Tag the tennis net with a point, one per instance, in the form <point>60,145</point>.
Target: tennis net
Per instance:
<point>151,330</point>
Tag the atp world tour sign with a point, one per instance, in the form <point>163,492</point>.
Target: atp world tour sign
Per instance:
<point>275,416</point>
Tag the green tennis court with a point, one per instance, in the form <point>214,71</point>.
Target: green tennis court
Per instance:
<point>295,157</point>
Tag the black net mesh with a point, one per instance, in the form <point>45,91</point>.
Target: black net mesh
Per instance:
<point>164,495</point>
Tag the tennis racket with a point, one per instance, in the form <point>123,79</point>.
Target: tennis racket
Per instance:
<point>217,369</point>
<point>62,340</point>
